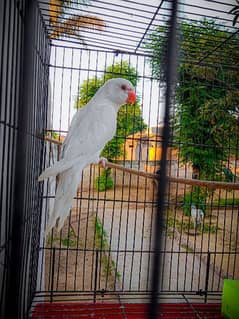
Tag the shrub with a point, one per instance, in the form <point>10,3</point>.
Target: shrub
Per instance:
<point>104,181</point>
<point>198,197</point>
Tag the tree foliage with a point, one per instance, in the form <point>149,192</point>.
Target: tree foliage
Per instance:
<point>207,111</point>
<point>129,119</point>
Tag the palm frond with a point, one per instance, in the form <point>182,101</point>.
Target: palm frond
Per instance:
<point>65,22</point>
<point>55,10</point>
<point>73,25</point>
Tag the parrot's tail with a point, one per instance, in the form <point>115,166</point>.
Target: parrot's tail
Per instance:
<point>66,190</point>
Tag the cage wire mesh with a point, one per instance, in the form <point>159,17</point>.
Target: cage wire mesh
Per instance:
<point>24,63</point>
<point>54,56</point>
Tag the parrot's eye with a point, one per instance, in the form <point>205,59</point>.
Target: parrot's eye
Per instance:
<point>123,87</point>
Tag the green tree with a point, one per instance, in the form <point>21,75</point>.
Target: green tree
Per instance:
<point>129,119</point>
<point>207,98</point>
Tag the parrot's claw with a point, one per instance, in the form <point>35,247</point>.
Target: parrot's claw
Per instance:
<point>103,162</point>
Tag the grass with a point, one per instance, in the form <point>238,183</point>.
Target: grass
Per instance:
<point>226,202</point>
<point>210,228</point>
<point>101,237</point>
<point>172,222</point>
<point>187,248</point>
<point>70,240</point>
<point>101,242</point>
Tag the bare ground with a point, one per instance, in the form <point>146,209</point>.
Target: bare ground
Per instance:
<point>124,261</point>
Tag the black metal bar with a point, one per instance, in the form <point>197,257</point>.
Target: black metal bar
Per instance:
<point>14,288</point>
<point>195,312</point>
<point>224,42</point>
<point>162,183</point>
<point>25,119</point>
<point>129,255</point>
<point>207,275</point>
<point>148,27</point>
<point>96,273</point>
<point>53,260</point>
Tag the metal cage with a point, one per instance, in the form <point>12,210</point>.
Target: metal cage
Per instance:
<point>135,241</point>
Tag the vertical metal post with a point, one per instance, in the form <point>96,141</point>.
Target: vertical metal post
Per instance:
<point>96,273</point>
<point>207,275</point>
<point>170,81</point>
<point>16,292</point>
<point>52,273</point>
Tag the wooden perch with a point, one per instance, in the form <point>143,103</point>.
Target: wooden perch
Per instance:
<point>52,140</point>
<point>178,180</point>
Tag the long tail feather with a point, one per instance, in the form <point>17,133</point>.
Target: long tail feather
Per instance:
<point>66,190</point>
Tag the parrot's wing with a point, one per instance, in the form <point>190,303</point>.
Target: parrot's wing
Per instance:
<point>76,120</point>
<point>87,136</point>
<point>90,130</point>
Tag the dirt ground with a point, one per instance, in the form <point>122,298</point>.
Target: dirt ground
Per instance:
<point>119,256</point>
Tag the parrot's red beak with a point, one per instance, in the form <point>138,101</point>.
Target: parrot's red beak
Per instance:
<point>131,97</point>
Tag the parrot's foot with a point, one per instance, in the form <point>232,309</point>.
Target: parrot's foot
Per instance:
<point>103,162</point>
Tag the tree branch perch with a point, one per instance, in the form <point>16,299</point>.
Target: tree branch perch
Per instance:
<point>171,179</point>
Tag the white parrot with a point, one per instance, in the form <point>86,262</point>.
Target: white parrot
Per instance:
<point>91,128</point>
